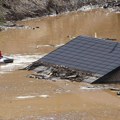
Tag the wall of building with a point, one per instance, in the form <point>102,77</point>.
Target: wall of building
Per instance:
<point>112,77</point>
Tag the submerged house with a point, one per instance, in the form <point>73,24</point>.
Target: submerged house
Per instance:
<point>98,57</point>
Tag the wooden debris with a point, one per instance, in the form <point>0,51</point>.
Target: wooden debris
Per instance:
<point>52,72</point>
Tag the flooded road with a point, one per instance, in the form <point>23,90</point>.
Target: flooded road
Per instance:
<point>22,98</point>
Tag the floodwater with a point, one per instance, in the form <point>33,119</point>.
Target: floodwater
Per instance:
<point>22,98</point>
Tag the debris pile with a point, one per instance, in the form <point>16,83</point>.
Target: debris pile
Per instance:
<point>52,72</point>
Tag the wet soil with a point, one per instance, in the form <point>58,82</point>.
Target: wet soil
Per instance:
<point>66,100</point>
<point>22,98</point>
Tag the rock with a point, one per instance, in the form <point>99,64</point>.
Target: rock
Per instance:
<point>106,5</point>
<point>21,9</point>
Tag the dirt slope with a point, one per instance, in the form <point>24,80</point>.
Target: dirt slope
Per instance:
<point>19,9</point>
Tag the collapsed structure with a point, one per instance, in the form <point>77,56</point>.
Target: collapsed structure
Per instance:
<point>82,59</point>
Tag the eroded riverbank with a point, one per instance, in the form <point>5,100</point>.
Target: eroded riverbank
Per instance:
<point>31,99</point>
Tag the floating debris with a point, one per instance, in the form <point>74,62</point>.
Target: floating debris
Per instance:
<point>115,89</point>
<point>30,96</point>
<point>118,93</point>
<point>90,88</point>
<point>48,45</point>
<point>111,87</point>
<point>25,97</point>
<point>44,96</point>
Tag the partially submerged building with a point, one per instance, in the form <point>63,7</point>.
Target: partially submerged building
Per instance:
<point>98,58</point>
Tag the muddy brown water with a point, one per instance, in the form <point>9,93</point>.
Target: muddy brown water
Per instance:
<point>22,98</point>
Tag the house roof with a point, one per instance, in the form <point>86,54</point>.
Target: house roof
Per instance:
<point>94,55</point>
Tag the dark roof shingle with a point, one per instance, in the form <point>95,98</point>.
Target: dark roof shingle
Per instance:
<point>88,54</point>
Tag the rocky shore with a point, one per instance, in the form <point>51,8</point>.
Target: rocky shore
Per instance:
<point>21,9</point>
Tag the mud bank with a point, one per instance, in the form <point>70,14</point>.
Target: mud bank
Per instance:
<point>20,9</point>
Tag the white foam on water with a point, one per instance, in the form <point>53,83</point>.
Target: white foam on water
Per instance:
<point>20,61</point>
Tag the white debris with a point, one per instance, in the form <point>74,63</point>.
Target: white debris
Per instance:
<point>25,97</point>
<point>44,96</point>
<point>97,87</point>
<point>31,96</point>
<point>95,35</point>
<point>89,88</point>
<point>38,46</point>
<point>59,45</point>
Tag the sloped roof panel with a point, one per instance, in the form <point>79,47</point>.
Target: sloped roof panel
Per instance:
<point>89,54</point>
